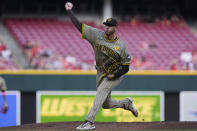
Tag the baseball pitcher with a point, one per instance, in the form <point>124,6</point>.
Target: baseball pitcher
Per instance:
<point>112,62</point>
<point>3,89</point>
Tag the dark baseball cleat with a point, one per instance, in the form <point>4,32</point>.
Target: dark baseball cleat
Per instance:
<point>132,107</point>
<point>86,126</point>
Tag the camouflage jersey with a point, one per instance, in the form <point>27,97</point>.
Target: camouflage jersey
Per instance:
<point>109,54</point>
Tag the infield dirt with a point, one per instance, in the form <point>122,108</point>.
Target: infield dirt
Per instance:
<point>107,126</point>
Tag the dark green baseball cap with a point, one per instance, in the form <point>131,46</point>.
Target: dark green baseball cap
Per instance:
<point>111,22</point>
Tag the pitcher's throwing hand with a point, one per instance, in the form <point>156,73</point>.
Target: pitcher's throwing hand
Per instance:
<point>68,6</point>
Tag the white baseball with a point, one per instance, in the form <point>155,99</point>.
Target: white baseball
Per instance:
<point>69,5</point>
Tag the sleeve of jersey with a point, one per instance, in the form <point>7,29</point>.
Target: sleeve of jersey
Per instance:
<point>89,33</point>
<point>126,58</point>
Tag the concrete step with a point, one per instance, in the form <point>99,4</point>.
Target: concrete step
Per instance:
<point>18,56</point>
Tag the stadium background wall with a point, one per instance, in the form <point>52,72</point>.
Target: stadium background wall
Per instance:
<point>29,81</point>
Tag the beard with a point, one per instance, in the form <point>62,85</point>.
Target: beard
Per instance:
<point>108,33</point>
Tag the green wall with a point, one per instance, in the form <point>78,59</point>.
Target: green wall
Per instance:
<point>168,83</point>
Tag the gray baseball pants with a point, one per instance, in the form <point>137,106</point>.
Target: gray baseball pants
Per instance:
<point>103,96</point>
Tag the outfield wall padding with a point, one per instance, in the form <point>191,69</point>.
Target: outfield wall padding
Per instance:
<point>168,82</point>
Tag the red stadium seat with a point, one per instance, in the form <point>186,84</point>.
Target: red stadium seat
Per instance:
<point>64,39</point>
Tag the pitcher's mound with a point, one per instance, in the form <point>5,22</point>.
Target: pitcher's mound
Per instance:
<point>106,126</point>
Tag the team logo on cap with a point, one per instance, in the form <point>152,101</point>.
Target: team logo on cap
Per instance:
<point>109,20</point>
<point>116,47</point>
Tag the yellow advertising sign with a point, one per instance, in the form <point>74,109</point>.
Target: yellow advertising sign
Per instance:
<point>63,107</point>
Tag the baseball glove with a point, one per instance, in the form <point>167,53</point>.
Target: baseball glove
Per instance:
<point>4,109</point>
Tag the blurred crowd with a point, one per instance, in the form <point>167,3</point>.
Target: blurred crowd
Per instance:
<point>163,20</point>
<point>41,57</point>
<point>186,61</point>
<point>142,63</point>
<point>190,60</point>
<point>5,57</point>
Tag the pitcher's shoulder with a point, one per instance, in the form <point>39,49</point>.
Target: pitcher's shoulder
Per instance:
<point>122,43</point>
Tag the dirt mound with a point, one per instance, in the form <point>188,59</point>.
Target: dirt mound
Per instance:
<point>106,126</point>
